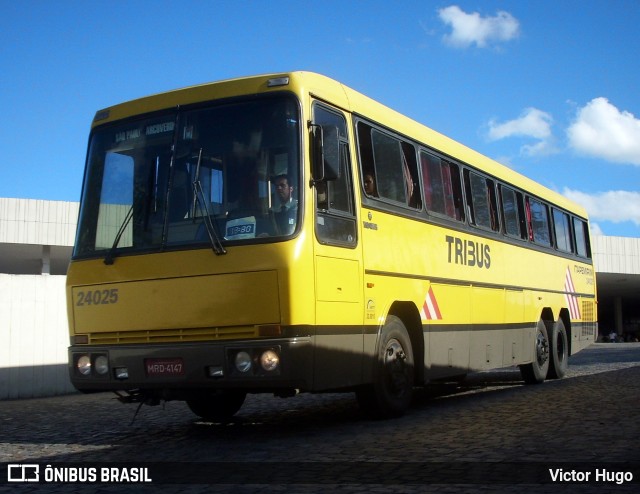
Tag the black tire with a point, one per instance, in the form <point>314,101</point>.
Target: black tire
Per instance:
<point>392,390</point>
<point>536,371</point>
<point>217,406</point>
<point>559,351</point>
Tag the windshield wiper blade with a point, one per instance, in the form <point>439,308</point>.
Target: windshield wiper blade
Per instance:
<point>214,238</point>
<point>108,258</point>
<point>199,197</point>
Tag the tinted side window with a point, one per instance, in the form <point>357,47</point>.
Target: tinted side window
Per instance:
<point>562,229</point>
<point>410,171</point>
<point>335,216</point>
<point>441,185</point>
<point>481,200</point>
<point>389,167</point>
<point>510,212</point>
<point>538,220</point>
<point>582,238</point>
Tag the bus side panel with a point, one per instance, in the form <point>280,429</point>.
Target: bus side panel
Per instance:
<point>514,338</point>
<point>487,336</point>
<point>449,342</point>
<point>339,312</point>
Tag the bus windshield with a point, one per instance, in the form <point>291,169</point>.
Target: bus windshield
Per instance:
<point>150,183</point>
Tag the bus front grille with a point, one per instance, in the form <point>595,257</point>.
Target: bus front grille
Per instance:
<point>172,335</point>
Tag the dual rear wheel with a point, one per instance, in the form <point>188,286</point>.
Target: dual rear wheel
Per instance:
<point>551,353</point>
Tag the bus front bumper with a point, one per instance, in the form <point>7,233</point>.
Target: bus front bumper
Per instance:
<point>265,365</point>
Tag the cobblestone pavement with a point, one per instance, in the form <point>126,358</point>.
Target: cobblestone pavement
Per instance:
<point>491,432</point>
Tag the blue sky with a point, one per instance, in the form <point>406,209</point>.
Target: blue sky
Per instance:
<point>549,88</point>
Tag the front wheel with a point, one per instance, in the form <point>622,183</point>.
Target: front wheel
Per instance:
<point>392,390</point>
<point>217,406</point>
<point>536,371</point>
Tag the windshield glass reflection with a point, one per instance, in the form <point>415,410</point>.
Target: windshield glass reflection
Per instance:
<point>235,165</point>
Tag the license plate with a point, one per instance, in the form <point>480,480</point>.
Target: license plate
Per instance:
<point>164,366</point>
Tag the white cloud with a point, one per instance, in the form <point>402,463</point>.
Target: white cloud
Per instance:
<point>469,29</point>
<point>603,131</point>
<point>616,206</point>
<point>531,123</point>
<point>542,148</point>
<point>595,229</point>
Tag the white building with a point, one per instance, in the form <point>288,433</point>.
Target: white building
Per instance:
<point>36,239</point>
<point>617,262</point>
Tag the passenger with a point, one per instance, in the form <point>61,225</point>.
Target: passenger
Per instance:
<point>370,185</point>
<point>286,210</point>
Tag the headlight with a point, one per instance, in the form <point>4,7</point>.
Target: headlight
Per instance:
<point>269,360</point>
<point>243,362</point>
<point>102,365</point>
<point>84,365</point>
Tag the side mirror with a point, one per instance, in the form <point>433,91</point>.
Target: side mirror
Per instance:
<point>325,153</point>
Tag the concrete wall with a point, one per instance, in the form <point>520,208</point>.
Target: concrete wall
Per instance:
<point>616,254</point>
<point>36,237</point>
<point>33,336</point>
<point>32,221</point>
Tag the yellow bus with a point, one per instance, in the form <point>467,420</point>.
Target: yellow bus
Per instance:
<point>284,233</point>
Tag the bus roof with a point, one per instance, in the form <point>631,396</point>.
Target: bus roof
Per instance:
<point>346,98</point>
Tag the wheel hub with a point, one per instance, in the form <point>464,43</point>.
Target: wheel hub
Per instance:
<point>394,363</point>
<point>542,349</point>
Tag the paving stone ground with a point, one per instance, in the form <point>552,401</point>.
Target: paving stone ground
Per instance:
<point>490,434</point>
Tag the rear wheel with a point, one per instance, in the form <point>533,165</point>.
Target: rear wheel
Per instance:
<point>217,406</point>
<point>559,351</point>
<point>536,371</point>
<point>391,392</point>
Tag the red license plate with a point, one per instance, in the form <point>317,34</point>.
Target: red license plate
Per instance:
<point>164,366</point>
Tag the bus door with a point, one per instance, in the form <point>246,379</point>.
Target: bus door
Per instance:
<point>338,267</point>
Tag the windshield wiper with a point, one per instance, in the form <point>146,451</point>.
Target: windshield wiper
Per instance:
<point>108,258</point>
<point>199,197</point>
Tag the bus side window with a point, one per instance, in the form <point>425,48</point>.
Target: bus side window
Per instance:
<point>511,212</point>
<point>441,185</point>
<point>389,167</point>
<point>522,214</point>
<point>335,215</point>
<point>451,175</point>
<point>583,248</point>
<point>365,152</point>
<point>482,200</point>
<point>493,205</point>
<point>433,189</point>
<point>538,219</point>
<point>562,229</point>
<point>410,169</point>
